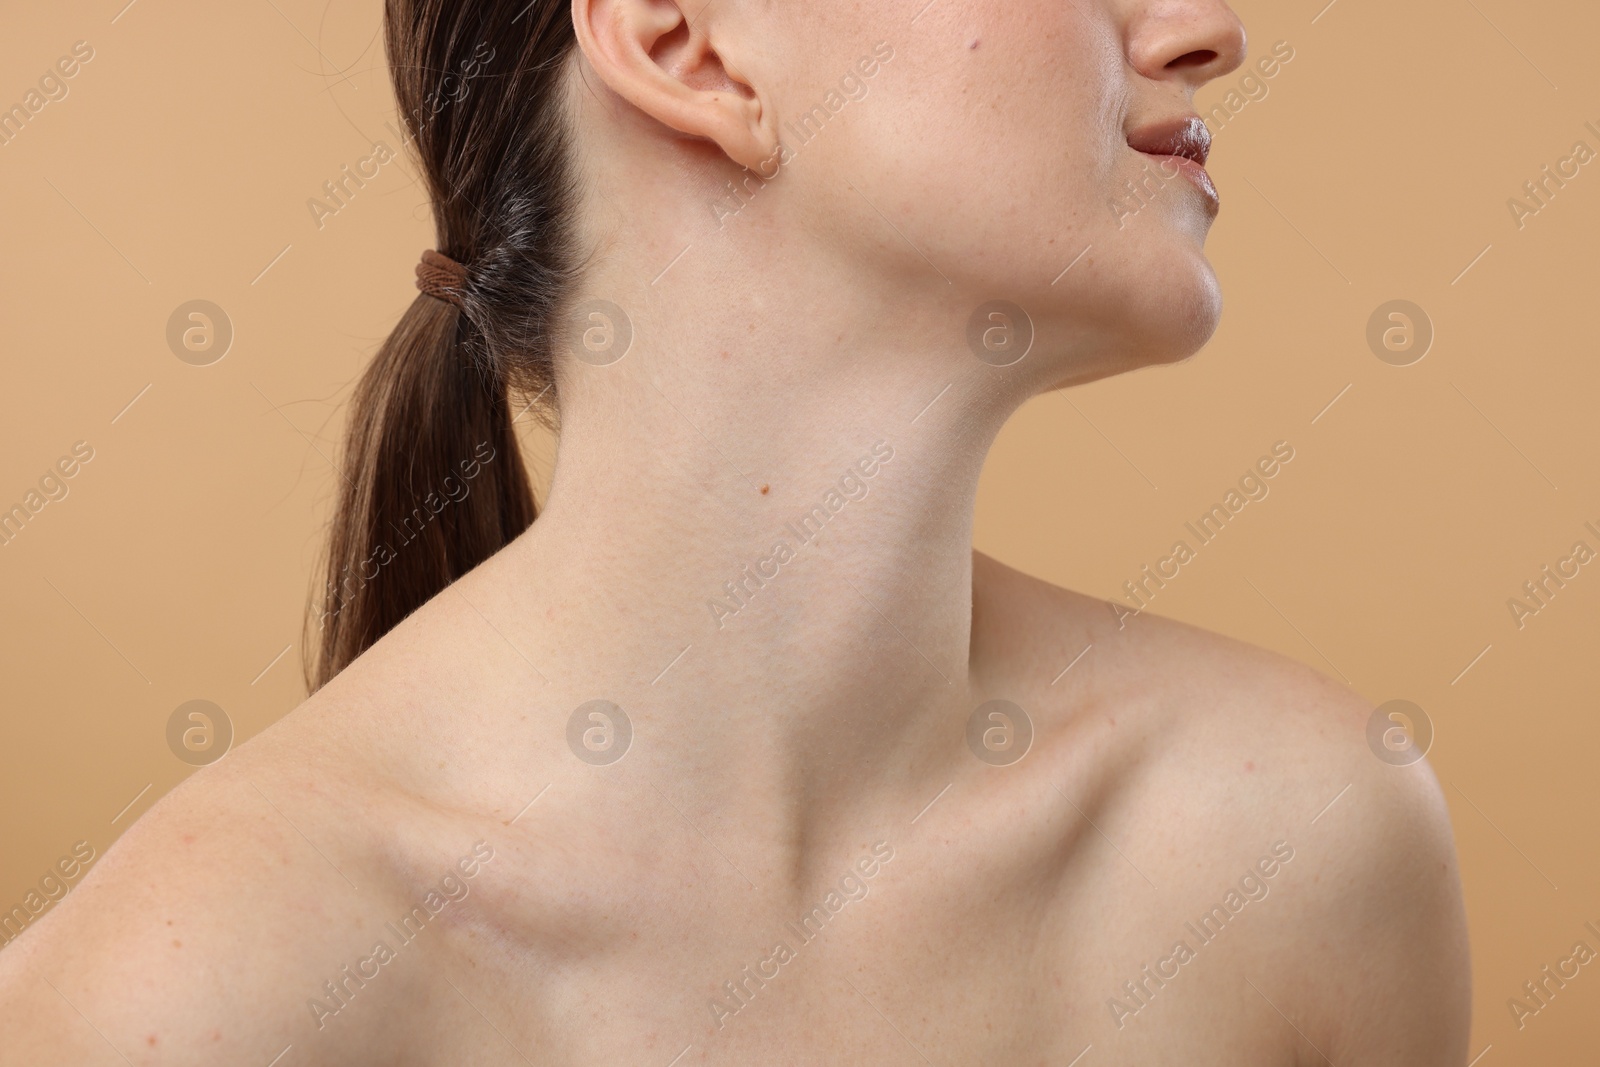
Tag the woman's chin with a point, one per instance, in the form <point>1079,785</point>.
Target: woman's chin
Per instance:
<point>1180,311</point>
<point>1167,318</point>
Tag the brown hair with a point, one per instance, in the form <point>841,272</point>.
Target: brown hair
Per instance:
<point>433,482</point>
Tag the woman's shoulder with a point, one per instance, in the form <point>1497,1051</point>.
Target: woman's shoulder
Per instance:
<point>1065,647</point>
<point>1186,704</point>
<point>207,932</point>
<point>1199,754</point>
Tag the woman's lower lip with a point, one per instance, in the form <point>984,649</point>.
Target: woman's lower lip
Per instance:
<point>1171,166</point>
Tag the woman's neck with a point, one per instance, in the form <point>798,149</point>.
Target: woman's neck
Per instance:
<point>763,546</point>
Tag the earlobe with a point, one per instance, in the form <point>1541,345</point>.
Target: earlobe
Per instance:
<point>670,65</point>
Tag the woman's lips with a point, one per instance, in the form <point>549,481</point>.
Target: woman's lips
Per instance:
<point>1180,145</point>
<point>1171,166</point>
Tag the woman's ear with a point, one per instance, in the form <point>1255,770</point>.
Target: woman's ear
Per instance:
<point>668,58</point>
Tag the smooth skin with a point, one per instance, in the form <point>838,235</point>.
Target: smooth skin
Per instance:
<point>776,748</point>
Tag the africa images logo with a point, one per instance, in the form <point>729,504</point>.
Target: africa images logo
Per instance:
<point>1137,993</point>
<point>852,886</point>
<point>851,485</point>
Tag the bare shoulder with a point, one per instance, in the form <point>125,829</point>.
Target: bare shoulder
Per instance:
<point>1187,692</point>
<point>1175,676</point>
<point>1226,751</point>
<point>207,932</point>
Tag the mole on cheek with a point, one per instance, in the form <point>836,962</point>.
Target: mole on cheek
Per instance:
<point>974,43</point>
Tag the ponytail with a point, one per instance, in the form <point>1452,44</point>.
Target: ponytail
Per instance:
<point>432,481</point>
<point>433,484</point>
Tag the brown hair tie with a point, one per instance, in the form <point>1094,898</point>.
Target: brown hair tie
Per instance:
<point>441,277</point>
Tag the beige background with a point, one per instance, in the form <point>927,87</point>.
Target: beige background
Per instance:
<point>1378,167</point>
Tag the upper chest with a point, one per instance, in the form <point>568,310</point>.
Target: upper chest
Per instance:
<point>971,941</point>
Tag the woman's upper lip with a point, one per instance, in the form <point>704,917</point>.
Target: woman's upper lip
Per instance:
<point>1186,136</point>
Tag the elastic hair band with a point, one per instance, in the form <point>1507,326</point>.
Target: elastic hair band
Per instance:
<point>441,277</point>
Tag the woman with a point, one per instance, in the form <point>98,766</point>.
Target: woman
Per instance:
<point>739,754</point>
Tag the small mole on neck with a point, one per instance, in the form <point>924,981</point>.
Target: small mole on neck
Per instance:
<point>974,43</point>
